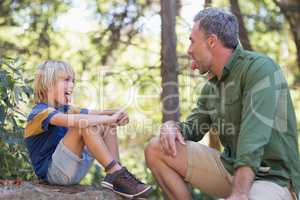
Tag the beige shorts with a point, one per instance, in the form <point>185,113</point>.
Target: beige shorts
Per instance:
<point>206,172</point>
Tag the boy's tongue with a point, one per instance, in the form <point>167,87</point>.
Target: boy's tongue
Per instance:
<point>67,97</point>
<point>194,65</point>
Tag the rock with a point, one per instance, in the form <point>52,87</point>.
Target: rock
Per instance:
<point>37,191</point>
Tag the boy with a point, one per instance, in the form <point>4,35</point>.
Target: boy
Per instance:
<point>63,141</point>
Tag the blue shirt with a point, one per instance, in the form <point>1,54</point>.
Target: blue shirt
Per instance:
<point>41,137</point>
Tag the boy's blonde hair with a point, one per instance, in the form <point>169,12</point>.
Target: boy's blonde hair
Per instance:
<point>46,77</point>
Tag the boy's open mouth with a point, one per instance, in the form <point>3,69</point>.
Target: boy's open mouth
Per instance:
<point>68,96</point>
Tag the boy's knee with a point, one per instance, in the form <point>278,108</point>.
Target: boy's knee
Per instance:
<point>91,131</point>
<point>75,132</point>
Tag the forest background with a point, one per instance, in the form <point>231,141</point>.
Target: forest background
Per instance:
<point>126,54</point>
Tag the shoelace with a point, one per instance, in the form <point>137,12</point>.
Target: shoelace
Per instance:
<point>131,178</point>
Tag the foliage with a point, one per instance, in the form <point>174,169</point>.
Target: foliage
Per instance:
<point>14,90</point>
<point>117,64</point>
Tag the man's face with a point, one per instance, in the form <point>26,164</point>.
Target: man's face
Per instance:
<point>199,50</point>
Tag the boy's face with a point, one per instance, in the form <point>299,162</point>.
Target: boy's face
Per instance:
<point>61,93</point>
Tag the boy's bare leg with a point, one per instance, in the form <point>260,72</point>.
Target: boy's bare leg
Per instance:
<point>117,179</point>
<point>111,141</point>
<point>169,171</point>
<point>75,139</point>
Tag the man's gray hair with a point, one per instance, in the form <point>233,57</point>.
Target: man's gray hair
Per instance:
<point>221,23</point>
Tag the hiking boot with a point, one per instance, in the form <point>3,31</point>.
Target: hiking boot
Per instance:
<point>126,184</point>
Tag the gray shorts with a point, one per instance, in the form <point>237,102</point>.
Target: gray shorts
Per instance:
<point>66,167</point>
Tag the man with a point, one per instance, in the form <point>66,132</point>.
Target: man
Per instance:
<point>246,100</point>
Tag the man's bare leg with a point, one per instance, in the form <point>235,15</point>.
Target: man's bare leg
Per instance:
<point>168,171</point>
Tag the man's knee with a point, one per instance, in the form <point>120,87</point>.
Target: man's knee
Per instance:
<point>262,190</point>
<point>152,150</point>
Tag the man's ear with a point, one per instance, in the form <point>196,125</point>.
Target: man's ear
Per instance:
<point>212,40</point>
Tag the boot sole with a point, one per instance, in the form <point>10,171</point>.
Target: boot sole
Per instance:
<point>139,195</point>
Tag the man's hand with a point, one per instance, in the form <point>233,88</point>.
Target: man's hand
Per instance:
<point>242,182</point>
<point>169,134</point>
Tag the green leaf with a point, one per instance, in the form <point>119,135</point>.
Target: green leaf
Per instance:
<point>2,115</point>
<point>3,79</point>
<point>27,90</point>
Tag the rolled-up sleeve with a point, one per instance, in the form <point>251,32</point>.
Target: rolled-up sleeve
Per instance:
<point>260,101</point>
<point>198,122</point>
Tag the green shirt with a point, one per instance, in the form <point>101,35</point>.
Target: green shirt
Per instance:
<point>251,109</point>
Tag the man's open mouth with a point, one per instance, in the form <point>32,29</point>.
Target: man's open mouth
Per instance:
<point>194,65</point>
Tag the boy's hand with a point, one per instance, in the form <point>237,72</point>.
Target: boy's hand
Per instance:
<point>120,117</point>
<point>123,120</point>
<point>117,116</point>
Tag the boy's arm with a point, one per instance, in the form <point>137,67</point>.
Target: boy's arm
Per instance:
<point>103,112</point>
<point>83,120</point>
<point>123,120</point>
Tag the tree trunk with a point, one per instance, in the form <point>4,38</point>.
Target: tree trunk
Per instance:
<point>207,3</point>
<point>291,10</point>
<point>178,7</point>
<point>235,8</point>
<point>169,66</point>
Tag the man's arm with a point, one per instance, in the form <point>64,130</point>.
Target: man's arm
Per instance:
<point>260,104</point>
<point>242,182</point>
<point>194,128</point>
<point>198,122</point>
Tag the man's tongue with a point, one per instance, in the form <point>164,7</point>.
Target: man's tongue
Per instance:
<point>194,65</point>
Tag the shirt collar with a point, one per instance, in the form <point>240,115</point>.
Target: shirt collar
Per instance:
<point>234,57</point>
<point>229,65</point>
<point>63,108</point>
